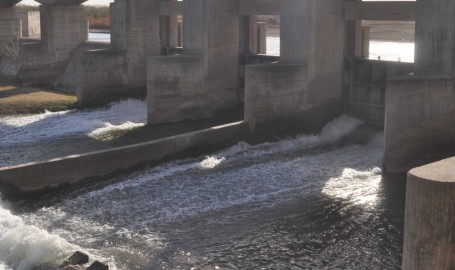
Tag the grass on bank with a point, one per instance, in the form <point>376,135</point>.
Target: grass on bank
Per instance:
<point>16,99</point>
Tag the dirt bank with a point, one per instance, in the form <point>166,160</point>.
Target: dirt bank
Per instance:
<point>16,99</point>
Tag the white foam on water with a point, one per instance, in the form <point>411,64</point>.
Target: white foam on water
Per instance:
<point>360,186</point>
<point>119,218</point>
<point>18,130</point>
<point>104,133</point>
<point>23,247</point>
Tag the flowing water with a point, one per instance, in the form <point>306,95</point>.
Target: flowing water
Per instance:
<point>310,202</point>
<point>34,137</point>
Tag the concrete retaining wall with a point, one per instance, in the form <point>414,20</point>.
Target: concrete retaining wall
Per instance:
<point>419,121</point>
<point>54,173</point>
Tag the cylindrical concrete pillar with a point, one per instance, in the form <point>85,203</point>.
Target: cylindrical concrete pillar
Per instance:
<point>429,235</point>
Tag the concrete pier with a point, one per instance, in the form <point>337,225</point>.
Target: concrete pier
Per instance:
<point>63,28</point>
<point>429,241</point>
<point>9,25</point>
<point>310,71</point>
<point>203,81</point>
<point>420,119</point>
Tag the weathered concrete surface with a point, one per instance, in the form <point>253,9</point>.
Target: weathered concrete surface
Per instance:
<point>8,3</point>
<point>9,26</point>
<point>100,69</point>
<point>72,76</point>
<point>134,38</point>
<point>435,38</point>
<point>30,21</point>
<point>274,91</point>
<point>118,25</point>
<point>310,70</point>
<point>42,175</point>
<point>429,233</point>
<point>63,28</point>
<point>142,39</point>
<point>202,82</point>
<point>419,121</point>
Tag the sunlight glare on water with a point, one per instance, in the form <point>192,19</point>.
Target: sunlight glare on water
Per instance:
<point>271,205</point>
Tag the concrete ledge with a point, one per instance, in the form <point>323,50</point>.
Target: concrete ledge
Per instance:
<point>39,176</point>
<point>429,235</point>
<point>419,121</point>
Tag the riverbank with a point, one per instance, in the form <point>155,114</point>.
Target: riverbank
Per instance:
<point>17,99</point>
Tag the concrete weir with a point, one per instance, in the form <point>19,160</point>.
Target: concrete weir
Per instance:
<point>38,176</point>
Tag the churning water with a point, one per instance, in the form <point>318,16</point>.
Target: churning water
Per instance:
<point>23,136</point>
<point>304,203</point>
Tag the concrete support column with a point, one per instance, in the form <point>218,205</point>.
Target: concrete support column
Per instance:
<point>203,81</point>
<point>9,26</point>
<point>262,38</point>
<point>194,26</point>
<point>142,38</point>
<point>420,121</point>
<point>429,230</point>
<point>295,30</point>
<point>118,25</point>
<point>420,109</point>
<point>63,28</point>
<point>309,75</point>
<point>435,37</point>
<point>248,34</point>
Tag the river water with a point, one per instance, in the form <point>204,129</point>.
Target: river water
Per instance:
<point>309,202</point>
<point>28,138</point>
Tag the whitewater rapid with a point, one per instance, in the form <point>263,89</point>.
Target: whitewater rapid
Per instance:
<point>187,213</point>
<point>34,137</point>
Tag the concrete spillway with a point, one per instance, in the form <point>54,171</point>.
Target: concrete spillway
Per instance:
<point>303,202</point>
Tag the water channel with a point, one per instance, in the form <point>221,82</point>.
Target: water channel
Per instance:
<point>309,202</point>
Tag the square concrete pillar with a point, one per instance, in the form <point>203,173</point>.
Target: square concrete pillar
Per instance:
<point>420,121</point>
<point>310,69</point>
<point>142,38</point>
<point>118,25</point>
<point>63,29</point>
<point>312,33</point>
<point>203,81</point>
<point>9,25</point>
<point>435,37</point>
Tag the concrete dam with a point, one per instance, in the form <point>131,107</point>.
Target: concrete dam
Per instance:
<point>328,200</point>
